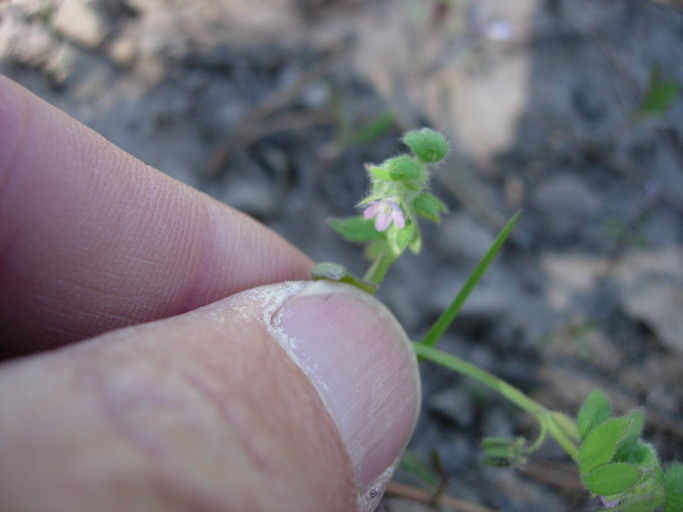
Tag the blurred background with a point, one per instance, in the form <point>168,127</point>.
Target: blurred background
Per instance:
<point>568,109</point>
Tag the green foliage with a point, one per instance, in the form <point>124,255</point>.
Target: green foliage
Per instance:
<point>429,206</point>
<point>356,229</point>
<point>594,411</point>
<point>660,95</point>
<point>612,478</point>
<point>374,128</point>
<point>413,464</point>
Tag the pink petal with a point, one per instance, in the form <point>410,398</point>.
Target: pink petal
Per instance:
<point>398,219</point>
<point>371,210</point>
<point>382,221</point>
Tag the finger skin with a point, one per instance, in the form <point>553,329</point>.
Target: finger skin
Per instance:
<point>201,412</point>
<point>91,239</point>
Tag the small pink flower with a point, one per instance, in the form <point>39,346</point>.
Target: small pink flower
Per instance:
<point>385,212</point>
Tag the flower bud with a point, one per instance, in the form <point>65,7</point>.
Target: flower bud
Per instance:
<point>427,145</point>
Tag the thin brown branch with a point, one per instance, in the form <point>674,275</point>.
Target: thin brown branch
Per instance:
<point>413,493</point>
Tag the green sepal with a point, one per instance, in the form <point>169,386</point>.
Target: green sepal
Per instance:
<point>404,168</point>
<point>601,444</point>
<point>429,206</point>
<point>594,411</point>
<point>380,173</point>
<point>611,479</point>
<point>356,229</point>
<point>331,271</point>
<point>426,144</point>
<point>503,452</point>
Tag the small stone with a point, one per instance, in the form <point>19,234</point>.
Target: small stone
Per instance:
<point>659,305</point>
<point>81,21</point>
<point>461,237</point>
<point>566,194</point>
<point>454,404</point>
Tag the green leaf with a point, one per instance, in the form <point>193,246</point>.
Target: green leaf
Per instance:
<point>446,318</point>
<point>628,446</point>
<point>335,272</point>
<point>611,479</point>
<point>673,488</point>
<point>407,170</point>
<point>374,128</point>
<point>429,206</point>
<point>428,145</point>
<point>356,229</point>
<point>660,94</point>
<point>594,411</point>
<point>413,464</point>
<point>601,444</point>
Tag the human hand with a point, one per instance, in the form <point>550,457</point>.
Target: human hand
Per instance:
<point>292,396</point>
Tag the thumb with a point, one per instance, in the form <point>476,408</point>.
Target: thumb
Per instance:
<point>291,397</point>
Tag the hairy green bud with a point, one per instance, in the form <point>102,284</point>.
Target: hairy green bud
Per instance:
<point>427,145</point>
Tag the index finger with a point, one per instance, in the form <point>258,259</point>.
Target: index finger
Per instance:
<point>92,239</point>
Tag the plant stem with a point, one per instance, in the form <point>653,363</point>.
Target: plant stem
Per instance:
<point>542,415</point>
<point>378,268</point>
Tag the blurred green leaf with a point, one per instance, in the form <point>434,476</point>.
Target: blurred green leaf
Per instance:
<point>611,479</point>
<point>660,94</point>
<point>601,444</point>
<point>413,464</point>
<point>356,229</point>
<point>429,206</point>
<point>374,128</point>
<point>594,411</point>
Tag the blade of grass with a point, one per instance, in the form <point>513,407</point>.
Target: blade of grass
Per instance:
<point>447,317</point>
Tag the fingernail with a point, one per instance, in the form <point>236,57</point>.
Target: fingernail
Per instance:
<point>360,361</point>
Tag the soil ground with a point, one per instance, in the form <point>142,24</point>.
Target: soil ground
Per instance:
<point>275,110</point>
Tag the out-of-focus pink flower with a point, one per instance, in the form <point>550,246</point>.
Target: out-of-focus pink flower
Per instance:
<point>385,211</point>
